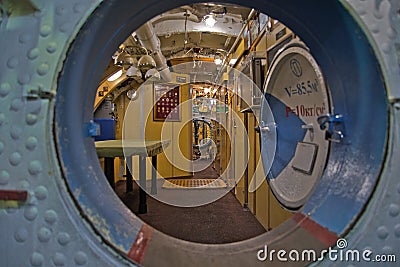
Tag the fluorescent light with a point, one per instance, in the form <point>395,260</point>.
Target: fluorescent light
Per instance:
<point>115,76</point>
<point>233,61</point>
<point>207,90</point>
<point>218,61</point>
<point>210,21</point>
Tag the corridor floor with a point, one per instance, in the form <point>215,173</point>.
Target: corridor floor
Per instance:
<point>223,221</point>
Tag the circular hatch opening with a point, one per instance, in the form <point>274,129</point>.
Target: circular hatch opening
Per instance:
<point>352,73</point>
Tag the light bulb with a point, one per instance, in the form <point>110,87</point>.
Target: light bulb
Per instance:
<point>133,72</point>
<point>210,21</point>
<point>115,76</point>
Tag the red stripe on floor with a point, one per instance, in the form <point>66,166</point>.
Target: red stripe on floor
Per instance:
<point>13,195</point>
<point>138,249</point>
<point>325,236</point>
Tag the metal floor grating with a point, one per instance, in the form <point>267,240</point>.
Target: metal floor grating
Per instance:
<point>194,183</point>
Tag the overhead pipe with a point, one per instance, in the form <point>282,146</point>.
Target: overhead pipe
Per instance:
<point>177,17</point>
<point>148,39</point>
<point>224,63</point>
<point>196,13</point>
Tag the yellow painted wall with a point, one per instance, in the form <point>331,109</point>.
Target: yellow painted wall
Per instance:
<point>261,203</point>
<point>271,37</point>
<point>251,164</point>
<point>180,150</point>
<point>155,130</point>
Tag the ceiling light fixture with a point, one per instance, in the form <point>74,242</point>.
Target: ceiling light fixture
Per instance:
<point>152,74</point>
<point>233,61</point>
<point>218,61</point>
<point>115,76</point>
<point>145,63</point>
<point>132,94</point>
<point>125,60</point>
<point>210,21</point>
<point>133,72</point>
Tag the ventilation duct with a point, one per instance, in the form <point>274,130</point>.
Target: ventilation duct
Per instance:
<point>148,39</point>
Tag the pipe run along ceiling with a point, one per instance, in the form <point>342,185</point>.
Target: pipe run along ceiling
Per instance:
<point>181,35</point>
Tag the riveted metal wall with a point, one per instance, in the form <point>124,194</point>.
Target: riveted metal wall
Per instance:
<point>43,231</point>
<point>48,229</point>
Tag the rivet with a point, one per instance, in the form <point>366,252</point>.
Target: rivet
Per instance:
<point>44,234</point>
<point>79,8</point>
<point>45,30</point>
<point>35,167</point>
<point>391,33</point>
<point>25,38</point>
<point>60,11</point>
<point>394,210</point>
<point>43,69</point>
<point>30,213</point>
<point>1,147</point>
<point>15,159</point>
<point>4,177</point>
<point>2,118</point>
<point>59,259</point>
<point>362,11</point>
<point>13,62</point>
<point>15,132</point>
<point>5,89</point>
<point>374,27</point>
<point>31,143</point>
<point>24,78</point>
<point>382,232</point>
<point>17,104</point>
<point>63,239</point>
<point>80,258</point>
<point>52,47</point>
<point>36,107</point>
<point>21,235</point>
<point>37,259</point>
<point>24,185</point>
<point>34,53</point>
<point>50,216</point>
<point>386,47</point>
<point>31,119</point>
<point>397,230</point>
<point>41,192</point>
<point>65,27</point>
<point>378,14</point>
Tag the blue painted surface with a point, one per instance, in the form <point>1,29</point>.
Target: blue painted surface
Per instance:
<point>358,93</point>
<point>83,69</point>
<point>30,42</point>
<point>341,50</point>
<point>107,129</point>
<point>289,133</point>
